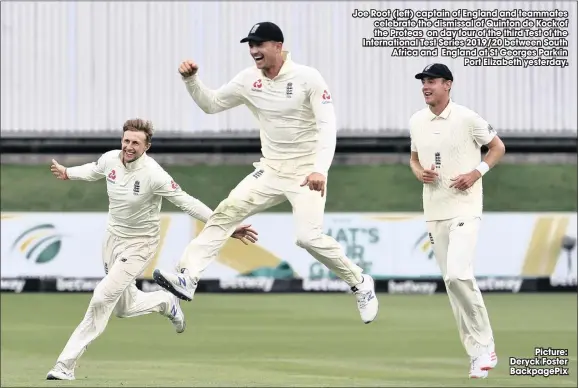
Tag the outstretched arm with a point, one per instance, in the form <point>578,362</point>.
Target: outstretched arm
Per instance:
<point>87,172</point>
<point>166,187</point>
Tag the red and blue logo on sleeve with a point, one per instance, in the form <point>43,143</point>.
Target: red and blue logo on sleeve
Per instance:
<point>326,97</point>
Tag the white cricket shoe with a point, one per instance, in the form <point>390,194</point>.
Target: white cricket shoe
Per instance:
<point>59,373</point>
<point>487,361</point>
<point>475,371</point>
<point>176,315</point>
<point>178,284</point>
<point>479,366</point>
<point>366,299</point>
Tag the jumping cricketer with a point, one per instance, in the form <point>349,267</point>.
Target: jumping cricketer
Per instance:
<point>446,141</point>
<point>295,111</point>
<point>136,185</point>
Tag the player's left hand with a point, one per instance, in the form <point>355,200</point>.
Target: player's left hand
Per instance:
<point>315,181</point>
<point>465,181</point>
<point>245,232</point>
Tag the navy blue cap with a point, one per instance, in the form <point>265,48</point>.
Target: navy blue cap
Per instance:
<point>435,70</point>
<point>263,32</point>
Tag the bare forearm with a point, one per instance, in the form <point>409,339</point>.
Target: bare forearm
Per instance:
<point>494,155</point>
<point>416,169</point>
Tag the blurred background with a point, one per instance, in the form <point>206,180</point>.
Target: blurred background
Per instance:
<point>73,72</point>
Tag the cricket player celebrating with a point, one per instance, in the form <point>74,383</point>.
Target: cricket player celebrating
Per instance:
<point>445,155</point>
<point>136,185</point>
<point>293,106</point>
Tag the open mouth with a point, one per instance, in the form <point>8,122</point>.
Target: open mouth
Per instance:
<point>258,58</point>
<point>130,153</point>
<point>427,94</point>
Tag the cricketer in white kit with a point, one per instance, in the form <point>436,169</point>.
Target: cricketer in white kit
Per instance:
<point>294,108</point>
<point>136,186</point>
<point>446,141</point>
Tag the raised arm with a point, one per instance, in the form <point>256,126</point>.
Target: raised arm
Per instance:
<point>165,186</point>
<point>211,101</point>
<point>87,172</point>
<point>324,111</point>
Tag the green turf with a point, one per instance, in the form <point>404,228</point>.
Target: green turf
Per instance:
<point>284,340</point>
<point>351,188</point>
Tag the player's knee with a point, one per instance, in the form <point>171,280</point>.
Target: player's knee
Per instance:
<point>98,300</point>
<point>229,210</point>
<point>308,239</point>
<point>121,313</point>
<point>452,279</point>
<point>102,297</point>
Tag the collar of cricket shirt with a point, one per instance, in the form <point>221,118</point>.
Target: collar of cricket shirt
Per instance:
<point>137,164</point>
<point>444,114</point>
<point>287,64</point>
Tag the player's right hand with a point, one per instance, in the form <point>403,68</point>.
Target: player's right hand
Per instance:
<point>245,232</point>
<point>188,68</point>
<point>58,170</point>
<point>429,176</point>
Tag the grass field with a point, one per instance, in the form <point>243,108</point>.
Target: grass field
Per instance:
<point>284,340</point>
<point>385,188</point>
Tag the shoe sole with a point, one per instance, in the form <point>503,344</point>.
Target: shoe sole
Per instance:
<point>161,281</point>
<point>375,296</point>
<point>52,377</point>
<point>184,326</point>
<point>477,377</point>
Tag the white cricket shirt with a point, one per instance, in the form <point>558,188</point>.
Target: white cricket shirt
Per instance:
<point>452,142</point>
<point>136,192</point>
<point>294,109</point>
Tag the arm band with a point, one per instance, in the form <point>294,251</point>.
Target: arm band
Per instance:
<point>483,168</point>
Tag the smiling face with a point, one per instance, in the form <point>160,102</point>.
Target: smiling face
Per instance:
<point>435,90</point>
<point>265,53</point>
<point>134,144</point>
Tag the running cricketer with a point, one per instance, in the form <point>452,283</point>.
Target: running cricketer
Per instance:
<point>136,185</point>
<point>446,141</point>
<point>294,108</point>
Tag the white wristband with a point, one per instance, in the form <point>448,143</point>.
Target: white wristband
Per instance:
<point>483,168</point>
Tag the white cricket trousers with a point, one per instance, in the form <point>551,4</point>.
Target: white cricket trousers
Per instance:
<point>454,243</point>
<point>124,260</point>
<point>260,190</point>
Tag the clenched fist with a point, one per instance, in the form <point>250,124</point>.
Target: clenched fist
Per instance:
<point>188,68</point>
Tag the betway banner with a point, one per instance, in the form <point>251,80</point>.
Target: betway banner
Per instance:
<point>421,286</point>
<point>386,245</point>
